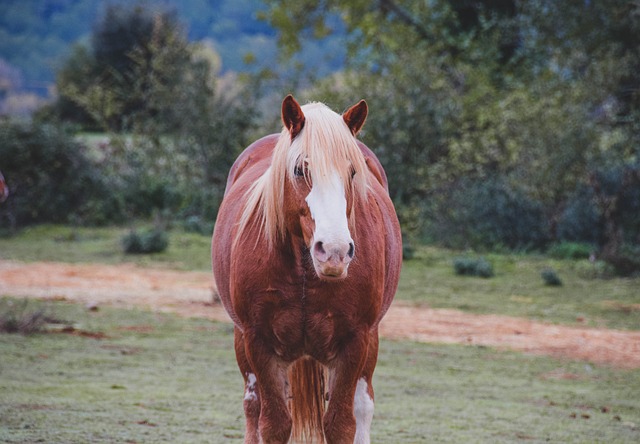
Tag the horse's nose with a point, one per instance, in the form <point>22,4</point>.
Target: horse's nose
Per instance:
<point>333,258</point>
<point>325,252</point>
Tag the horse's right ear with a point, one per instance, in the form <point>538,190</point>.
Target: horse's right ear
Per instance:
<point>292,116</point>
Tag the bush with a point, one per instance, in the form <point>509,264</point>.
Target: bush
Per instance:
<point>551,278</point>
<point>196,224</point>
<point>570,250</point>
<point>408,251</point>
<point>49,176</point>
<point>152,241</point>
<point>16,317</point>
<point>487,214</point>
<point>580,222</point>
<point>473,267</point>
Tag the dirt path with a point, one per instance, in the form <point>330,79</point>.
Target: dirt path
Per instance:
<point>190,294</point>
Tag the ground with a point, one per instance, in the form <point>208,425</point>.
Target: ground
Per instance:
<point>192,294</point>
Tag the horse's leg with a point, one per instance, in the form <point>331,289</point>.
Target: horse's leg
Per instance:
<point>363,400</point>
<point>345,371</point>
<point>251,396</point>
<point>271,379</point>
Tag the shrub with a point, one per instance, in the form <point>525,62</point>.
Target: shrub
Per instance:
<point>580,222</point>
<point>49,176</point>
<point>152,241</point>
<point>17,318</point>
<point>551,278</point>
<point>408,251</point>
<point>487,214</point>
<point>196,224</point>
<point>480,267</point>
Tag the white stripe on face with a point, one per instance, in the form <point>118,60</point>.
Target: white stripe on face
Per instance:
<point>328,206</point>
<point>363,411</point>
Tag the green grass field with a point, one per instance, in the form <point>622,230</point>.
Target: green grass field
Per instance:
<point>139,377</point>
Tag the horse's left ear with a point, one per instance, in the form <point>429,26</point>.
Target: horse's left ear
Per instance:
<point>292,116</point>
<point>355,116</point>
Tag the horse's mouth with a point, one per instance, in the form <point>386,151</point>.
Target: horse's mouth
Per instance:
<point>331,273</point>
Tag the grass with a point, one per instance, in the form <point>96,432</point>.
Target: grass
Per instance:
<point>135,376</point>
<point>187,251</point>
<point>517,289</point>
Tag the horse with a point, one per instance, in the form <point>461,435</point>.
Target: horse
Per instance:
<point>306,255</point>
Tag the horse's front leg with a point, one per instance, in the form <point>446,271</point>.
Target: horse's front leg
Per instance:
<point>271,378</point>
<point>345,372</point>
<point>251,401</point>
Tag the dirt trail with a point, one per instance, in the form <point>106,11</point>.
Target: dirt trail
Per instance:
<point>190,294</point>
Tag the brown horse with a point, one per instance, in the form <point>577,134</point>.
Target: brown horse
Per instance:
<point>306,256</point>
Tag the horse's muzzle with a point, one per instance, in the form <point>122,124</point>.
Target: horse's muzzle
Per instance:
<point>331,260</point>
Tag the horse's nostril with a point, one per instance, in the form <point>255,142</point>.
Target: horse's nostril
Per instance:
<point>319,249</point>
<point>352,250</point>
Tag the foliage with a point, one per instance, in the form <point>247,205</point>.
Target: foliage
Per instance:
<point>536,96</point>
<point>174,131</point>
<point>486,214</point>
<point>147,242</point>
<point>466,266</point>
<point>51,178</point>
<point>551,278</point>
<point>570,250</point>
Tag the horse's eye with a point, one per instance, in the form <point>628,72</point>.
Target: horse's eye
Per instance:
<point>299,171</point>
<point>353,172</point>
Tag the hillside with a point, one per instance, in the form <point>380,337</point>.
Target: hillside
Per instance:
<point>37,35</point>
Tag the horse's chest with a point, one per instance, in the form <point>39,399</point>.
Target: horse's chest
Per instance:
<point>294,322</point>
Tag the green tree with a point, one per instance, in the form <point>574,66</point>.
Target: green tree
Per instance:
<point>537,93</point>
<point>174,131</point>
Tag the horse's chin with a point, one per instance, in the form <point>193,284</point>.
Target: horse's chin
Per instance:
<point>331,274</point>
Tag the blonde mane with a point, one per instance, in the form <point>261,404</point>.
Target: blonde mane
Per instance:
<point>324,145</point>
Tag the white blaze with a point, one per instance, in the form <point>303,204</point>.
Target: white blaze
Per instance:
<point>328,206</point>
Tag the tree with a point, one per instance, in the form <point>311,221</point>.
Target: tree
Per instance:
<point>174,133</point>
<point>136,60</point>
<point>537,93</point>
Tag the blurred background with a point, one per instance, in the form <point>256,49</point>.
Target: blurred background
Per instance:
<point>502,125</point>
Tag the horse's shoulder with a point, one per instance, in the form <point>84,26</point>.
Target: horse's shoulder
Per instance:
<point>257,151</point>
<point>374,165</point>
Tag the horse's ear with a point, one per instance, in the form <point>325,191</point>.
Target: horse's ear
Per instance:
<point>292,116</point>
<point>355,116</point>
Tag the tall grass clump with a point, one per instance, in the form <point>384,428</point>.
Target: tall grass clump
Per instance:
<point>18,317</point>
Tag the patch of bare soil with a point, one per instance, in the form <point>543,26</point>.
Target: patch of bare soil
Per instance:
<point>191,294</point>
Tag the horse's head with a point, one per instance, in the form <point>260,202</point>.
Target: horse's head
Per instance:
<point>324,172</point>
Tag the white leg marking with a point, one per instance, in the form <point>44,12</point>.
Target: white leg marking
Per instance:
<point>363,411</point>
<point>250,393</point>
